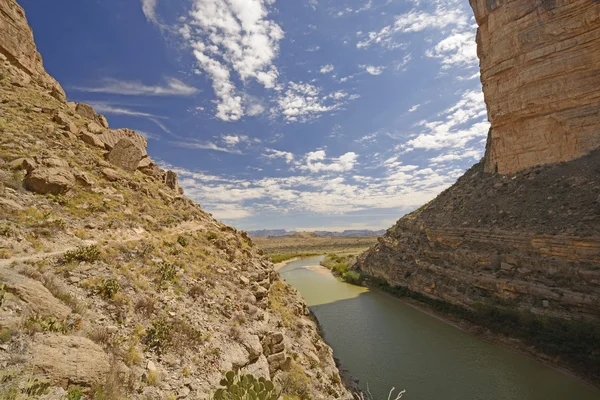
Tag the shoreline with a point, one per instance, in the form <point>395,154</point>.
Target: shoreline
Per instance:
<point>512,344</point>
<point>282,264</point>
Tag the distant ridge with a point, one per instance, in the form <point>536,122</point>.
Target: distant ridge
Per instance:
<point>346,233</point>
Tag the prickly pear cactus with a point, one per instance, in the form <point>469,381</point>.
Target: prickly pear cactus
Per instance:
<point>245,387</point>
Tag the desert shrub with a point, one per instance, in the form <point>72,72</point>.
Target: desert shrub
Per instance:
<point>108,288</point>
<point>82,253</point>
<point>211,236</point>
<point>38,323</point>
<point>74,394</point>
<point>196,291</point>
<point>295,382</point>
<point>145,306</point>
<point>352,277</point>
<point>167,272</point>
<point>245,387</point>
<point>183,241</point>
<point>159,336</point>
<point>2,293</point>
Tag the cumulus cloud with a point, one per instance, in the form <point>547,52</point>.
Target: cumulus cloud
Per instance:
<point>457,50</point>
<point>173,87</point>
<point>316,161</point>
<point>373,70</point>
<point>234,36</point>
<point>326,69</point>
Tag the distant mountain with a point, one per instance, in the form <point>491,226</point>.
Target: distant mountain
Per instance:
<point>346,233</point>
<point>270,233</point>
<point>352,233</point>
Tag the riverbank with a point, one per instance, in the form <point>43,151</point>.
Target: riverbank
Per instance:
<point>513,344</point>
<point>385,341</point>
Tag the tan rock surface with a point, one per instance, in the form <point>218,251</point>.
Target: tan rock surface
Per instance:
<point>70,360</point>
<point>540,69</point>
<point>125,155</point>
<point>50,180</point>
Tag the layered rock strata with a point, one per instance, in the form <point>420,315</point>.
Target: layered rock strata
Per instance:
<point>540,69</point>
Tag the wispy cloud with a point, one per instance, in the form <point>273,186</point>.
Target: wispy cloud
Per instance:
<point>173,87</point>
<point>199,145</point>
<point>105,108</point>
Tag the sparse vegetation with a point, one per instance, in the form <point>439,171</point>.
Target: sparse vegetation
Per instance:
<point>82,253</point>
<point>167,272</point>
<point>340,266</point>
<point>38,323</point>
<point>108,288</point>
<point>277,258</point>
<point>245,387</point>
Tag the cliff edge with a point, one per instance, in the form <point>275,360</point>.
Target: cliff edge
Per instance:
<point>540,70</point>
<point>514,244</point>
<point>113,284</point>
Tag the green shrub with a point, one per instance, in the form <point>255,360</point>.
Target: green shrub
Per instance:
<point>159,336</point>
<point>108,288</point>
<point>82,253</point>
<point>38,323</point>
<point>74,394</point>
<point>245,387</point>
<point>167,272</point>
<point>352,277</point>
<point>183,241</point>
<point>211,236</point>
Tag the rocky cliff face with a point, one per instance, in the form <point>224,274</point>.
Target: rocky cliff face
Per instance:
<point>112,283</point>
<point>519,253</point>
<point>541,80</point>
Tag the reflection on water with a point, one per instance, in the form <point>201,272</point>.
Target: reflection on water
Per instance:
<point>385,343</point>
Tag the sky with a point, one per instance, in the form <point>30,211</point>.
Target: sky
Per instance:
<point>302,115</point>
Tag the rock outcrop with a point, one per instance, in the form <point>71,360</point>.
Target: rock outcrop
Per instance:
<point>514,244</point>
<point>541,80</point>
<point>114,284</point>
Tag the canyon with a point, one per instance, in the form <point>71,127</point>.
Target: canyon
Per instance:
<point>115,285</point>
<point>514,244</point>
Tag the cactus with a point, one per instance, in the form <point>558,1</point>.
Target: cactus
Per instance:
<point>245,387</point>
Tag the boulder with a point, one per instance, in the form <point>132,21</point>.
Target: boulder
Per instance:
<point>39,300</point>
<point>69,360</point>
<point>101,119</point>
<point>64,121</point>
<point>91,139</point>
<point>50,180</point>
<point>111,175</point>
<point>172,180</point>
<point>23,163</point>
<point>85,110</point>
<point>48,129</point>
<point>126,155</point>
<point>58,93</point>
<point>111,137</point>
<point>93,127</point>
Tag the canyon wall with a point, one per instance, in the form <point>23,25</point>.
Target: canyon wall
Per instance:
<point>518,251</point>
<point>540,69</point>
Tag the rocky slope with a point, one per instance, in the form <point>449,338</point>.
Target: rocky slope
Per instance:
<point>112,283</point>
<point>519,253</point>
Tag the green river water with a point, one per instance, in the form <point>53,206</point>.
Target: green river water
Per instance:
<point>385,343</point>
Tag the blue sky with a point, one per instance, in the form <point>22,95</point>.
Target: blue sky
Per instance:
<point>305,114</point>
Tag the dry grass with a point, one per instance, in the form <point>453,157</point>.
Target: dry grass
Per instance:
<point>294,246</point>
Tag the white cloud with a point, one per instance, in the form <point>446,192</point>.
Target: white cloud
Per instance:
<point>475,154</point>
<point>149,9</point>
<point>272,154</point>
<point>457,50</point>
<point>326,69</point>
<point>414,108</point>
<point>174,87</point>
<point>234,36</point>
<point>303,102</point>
<point>465,121</point>
<point>316,162</point>
<point>105,108</point>
<point>195,144</point>
<point>373,70</point>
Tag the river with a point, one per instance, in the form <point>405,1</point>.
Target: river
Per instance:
<point>386,343</point>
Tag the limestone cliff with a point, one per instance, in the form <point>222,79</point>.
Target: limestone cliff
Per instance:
<point>113,284</point>
<point>519,253</point>
<point>540,69</point>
